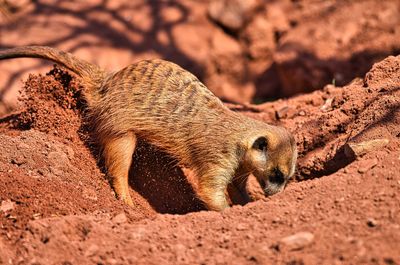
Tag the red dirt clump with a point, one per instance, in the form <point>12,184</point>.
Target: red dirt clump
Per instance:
<point>50,103</point>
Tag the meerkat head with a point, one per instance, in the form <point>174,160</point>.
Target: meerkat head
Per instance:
<point>271,156</point>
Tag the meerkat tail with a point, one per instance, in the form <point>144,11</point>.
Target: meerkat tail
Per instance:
<point>92,76</point>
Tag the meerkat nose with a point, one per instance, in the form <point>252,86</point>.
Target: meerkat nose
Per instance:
<point>277,177</point>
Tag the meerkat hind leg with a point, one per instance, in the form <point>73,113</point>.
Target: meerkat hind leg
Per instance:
<point>117,154</point>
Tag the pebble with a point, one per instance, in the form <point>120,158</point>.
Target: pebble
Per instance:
<point>241,227</point>
<point>372,222</point>
<point>19,160</point>
<point>120,218</point>
<point>7,205</point>
<point>282,112</point>
<point>327,105</point>
<point>92,250</point>
<point>36,216</point>
<point>354,150</point>
<point>297,241</point>
<point>231,14</point>
<point>89,194</point>
<point>366,165</point>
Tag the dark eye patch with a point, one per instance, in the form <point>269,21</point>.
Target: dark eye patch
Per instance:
<point>261,144</point>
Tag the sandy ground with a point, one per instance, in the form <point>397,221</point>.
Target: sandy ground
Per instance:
<point>57,207</point>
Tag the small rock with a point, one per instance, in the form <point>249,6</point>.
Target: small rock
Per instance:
<point>366,165</point>
<point>372,222</point>
<point>354,150</point>
<point>232,14</point>
<point>119,218</point>
<point>19,160</point>
<point>42,171</point>
<point>286,113</point>
<point>7,205</point>
<point>58,157</point>
<point>89,194</point>
<point>339,200</point>
<point>139,233</point>
<point>57,172</point>
<point>92,250</point>
<point>241,227</point>
<point>276,220</point>
<point>22,146</point>
<point>297,241</point>
<point>111,261</point>
<point>327,105</point>
<point>36,216</point>
<point>282,113</point>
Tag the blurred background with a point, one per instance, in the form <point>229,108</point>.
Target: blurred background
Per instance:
<point>245,51</point>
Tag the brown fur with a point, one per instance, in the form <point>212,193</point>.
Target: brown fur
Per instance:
<point>160,102</point>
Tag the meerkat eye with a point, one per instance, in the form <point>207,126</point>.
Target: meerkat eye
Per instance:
<point>261,144</point>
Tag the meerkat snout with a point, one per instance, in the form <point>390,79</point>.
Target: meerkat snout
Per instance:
<point>271,158</point>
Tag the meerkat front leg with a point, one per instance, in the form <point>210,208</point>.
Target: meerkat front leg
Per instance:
<point>240,188</point>
<point>212,189</point>
<point>117,152</point>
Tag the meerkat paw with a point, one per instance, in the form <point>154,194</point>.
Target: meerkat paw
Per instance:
<point>122,193</point>
<point>214,200</point>
<point>127,199</point>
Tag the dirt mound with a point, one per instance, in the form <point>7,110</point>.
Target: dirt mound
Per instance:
<point>57,206</point>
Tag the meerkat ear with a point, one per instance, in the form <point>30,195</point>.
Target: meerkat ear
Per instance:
<point>260,144</point>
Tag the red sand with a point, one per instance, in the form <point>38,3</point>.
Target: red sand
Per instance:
<point>57,207</point>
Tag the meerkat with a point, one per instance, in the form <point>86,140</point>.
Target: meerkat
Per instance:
<point>167,106</point>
